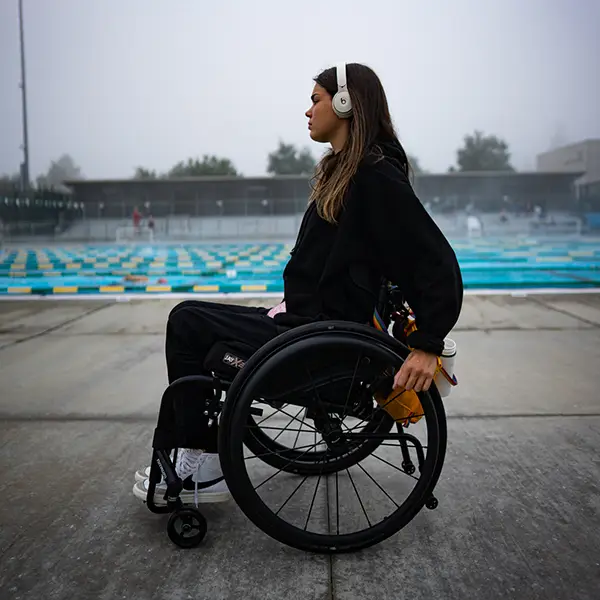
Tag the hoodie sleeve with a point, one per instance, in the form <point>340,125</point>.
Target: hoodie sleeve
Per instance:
<point>412,253</point>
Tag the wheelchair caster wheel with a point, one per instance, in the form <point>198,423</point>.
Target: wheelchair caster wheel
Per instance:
<point>408,468</point>
<point>186,527</point>
<point>432,503</point>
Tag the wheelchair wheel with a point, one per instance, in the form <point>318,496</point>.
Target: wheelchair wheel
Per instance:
<point>335,514</point>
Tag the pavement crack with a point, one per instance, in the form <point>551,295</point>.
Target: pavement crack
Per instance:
<point>56,327</point>
<point>563,312</point>
<point>331,594</point>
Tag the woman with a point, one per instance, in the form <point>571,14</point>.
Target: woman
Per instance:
<point>363,223</point>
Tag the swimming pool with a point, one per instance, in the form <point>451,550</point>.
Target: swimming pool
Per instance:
<point>257,267</point>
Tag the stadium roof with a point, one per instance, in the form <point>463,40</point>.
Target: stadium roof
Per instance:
<point>259,178</point>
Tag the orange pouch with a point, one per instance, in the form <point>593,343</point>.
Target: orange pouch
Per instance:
<point>403,406</point>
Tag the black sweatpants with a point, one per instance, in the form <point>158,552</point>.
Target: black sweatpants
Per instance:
<point>192,329</point>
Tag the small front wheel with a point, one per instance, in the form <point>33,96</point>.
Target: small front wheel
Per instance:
<point>432,503</point>
<point>186,527</point>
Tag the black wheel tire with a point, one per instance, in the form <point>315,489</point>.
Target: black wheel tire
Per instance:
<point>234,420</point>
<point>186,519</point>
<point>302,463</point>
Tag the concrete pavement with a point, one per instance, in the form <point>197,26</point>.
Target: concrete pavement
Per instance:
<point>519,515</point>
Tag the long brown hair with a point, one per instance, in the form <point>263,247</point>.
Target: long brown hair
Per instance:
<point>370,124</point>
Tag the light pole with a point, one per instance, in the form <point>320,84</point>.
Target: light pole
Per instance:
<point>25,164</point>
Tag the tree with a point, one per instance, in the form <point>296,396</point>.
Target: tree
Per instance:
<point>60,170</point>
<point>288,160</point>
<point>483,153</point>
<point>10,181</point>
<point>210,165</point>
<point>142,173</point>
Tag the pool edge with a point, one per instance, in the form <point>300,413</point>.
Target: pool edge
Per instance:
<point>249,295</point>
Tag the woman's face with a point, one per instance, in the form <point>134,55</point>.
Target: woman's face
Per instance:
<point>323,123</point>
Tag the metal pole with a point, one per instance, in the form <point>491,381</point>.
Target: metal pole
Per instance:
<point>25,166</point>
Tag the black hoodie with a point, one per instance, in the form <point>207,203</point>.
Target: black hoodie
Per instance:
<point>383,230</point>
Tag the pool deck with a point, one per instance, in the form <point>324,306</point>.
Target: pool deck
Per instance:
<point>519,514</point>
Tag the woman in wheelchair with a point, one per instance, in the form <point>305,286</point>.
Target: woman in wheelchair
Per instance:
<point>363,225</point>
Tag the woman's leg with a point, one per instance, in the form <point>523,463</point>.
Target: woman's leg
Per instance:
<point>221,306</point>
<point>192,329</point>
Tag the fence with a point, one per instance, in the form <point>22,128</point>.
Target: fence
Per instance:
<point>190,229</point>
<point>37,212</point>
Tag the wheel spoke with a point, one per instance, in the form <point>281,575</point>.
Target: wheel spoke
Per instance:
<point>269,416</point>
<point>350,388</point>
<point>314,496</point>
<point>294,418</point>
<point>290,496</point>
<point>358,496</point>
<point>298,434</point>
<point>285,428</point>
<point>373,480</point>
<point>282,429</point>
<point>284,466</point>
<point>271,452</point>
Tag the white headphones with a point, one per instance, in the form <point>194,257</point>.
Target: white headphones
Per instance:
<point>341,103</point>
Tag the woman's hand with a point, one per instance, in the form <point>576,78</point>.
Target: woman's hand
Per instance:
<point>417,371</point>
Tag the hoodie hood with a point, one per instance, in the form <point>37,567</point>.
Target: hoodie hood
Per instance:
<point>390,149</point>
<point>393,151</point>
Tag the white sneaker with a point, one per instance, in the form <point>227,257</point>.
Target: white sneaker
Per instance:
<point>207,469</point>
<point>185,467</point>
<point>142,474</point>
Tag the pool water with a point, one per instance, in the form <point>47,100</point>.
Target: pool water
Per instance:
<point>225,268</point>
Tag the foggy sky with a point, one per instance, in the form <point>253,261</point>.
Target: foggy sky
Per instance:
<point>121,83</point>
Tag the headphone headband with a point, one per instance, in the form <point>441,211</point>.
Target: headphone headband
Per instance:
<point>340,71</point>
<point>341,102</point>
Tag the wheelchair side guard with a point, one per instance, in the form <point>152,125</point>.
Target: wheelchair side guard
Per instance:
<point>226,359</point>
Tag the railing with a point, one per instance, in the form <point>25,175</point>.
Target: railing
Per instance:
<point>133,234</point>
<point>270,228</point>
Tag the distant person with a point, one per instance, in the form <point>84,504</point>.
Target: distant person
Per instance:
<point>151,226</point>
<point>137,219</point>
<point>363,223</point>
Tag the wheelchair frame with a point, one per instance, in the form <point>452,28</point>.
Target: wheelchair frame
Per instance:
<point>391,307</point>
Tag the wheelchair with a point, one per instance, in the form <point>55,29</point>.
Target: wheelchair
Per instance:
<point>322,380</point>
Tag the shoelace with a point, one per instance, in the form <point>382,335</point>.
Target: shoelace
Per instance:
<point>189,463</point>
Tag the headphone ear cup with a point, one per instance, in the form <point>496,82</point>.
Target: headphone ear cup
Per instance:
<point>342,105</point>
